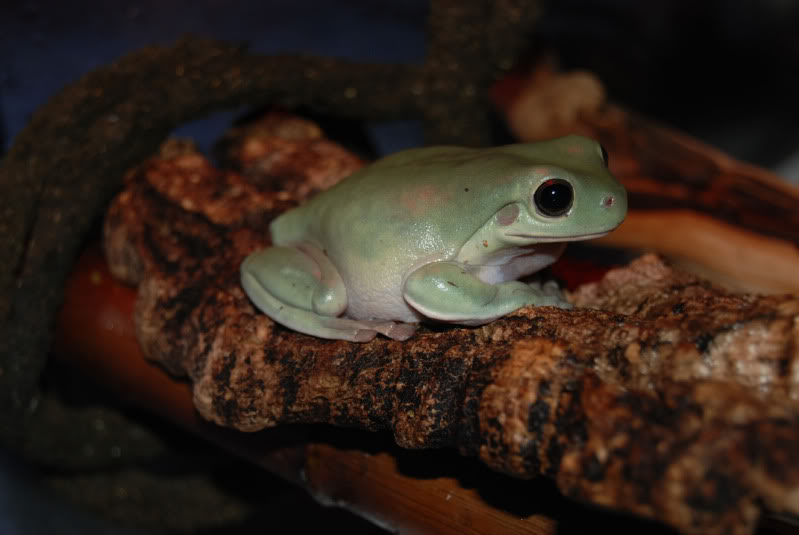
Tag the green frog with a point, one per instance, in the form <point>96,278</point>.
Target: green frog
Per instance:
<point>436,233</point>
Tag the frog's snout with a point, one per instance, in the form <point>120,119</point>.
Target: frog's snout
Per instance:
<point>614,204</point>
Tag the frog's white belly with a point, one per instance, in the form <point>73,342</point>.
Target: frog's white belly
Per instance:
<point>374,295</point>
<point>518,262</point>
<point>376,291</point>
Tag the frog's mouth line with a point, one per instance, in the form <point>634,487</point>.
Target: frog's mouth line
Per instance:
<point>550,239</point>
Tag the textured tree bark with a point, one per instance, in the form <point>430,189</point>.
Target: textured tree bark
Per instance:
<point>660,394</point>
<point>96,333</point>
<point>417,494</point>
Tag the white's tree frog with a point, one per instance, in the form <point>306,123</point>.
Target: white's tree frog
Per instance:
<point>440,233</point>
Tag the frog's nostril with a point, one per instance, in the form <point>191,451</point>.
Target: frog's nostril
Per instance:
<point>608,201</point>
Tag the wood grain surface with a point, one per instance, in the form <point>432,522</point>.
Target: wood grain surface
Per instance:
<point>96,322</point>
<point>404,491</point>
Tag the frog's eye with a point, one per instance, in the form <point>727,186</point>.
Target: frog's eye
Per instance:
<point>554,197</point>
<point>604,154</point>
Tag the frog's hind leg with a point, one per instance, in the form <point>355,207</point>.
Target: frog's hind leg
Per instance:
<point>300,288</point>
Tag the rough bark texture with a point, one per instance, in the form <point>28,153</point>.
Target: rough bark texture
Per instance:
<point>660,394</point>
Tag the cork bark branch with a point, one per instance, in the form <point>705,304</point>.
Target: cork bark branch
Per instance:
<point>660,395</point>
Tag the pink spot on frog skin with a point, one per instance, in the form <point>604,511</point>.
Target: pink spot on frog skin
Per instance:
<point>508,215</point>
<point>608,201</point>
<point>541,170</point>
<point>424,199</point>
<point>575,149</point>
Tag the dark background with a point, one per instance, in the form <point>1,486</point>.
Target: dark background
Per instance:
<point>726,71</point>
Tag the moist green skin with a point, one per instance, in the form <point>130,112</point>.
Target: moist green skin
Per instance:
<point>439,233</point>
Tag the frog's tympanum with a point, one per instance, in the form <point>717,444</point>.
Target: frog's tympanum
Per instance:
<point>439,233</point>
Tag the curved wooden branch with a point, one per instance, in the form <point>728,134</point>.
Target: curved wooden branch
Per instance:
<point>665,170</point>
<point>738,259</point>
<point>96,333</point>
<point>725,220</point>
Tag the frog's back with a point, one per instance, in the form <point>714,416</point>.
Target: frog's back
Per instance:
<point>401,199</point>
<point>370,194</point>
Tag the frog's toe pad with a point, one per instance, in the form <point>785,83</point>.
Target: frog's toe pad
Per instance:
<point>551,288</point>
<point>551,294</point>
<point>401,331</point>
<point>366,330</point>
<point>390,329</point>
<point>556,300</point>
<point>364,335</point>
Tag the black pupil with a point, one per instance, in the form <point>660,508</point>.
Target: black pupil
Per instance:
<point>554,197</point>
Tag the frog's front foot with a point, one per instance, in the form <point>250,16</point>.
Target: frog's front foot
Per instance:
<point>551,294</point>
<point>446,291</point>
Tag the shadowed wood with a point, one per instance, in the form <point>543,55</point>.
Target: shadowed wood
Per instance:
<point>736,258</point>
<point>726,220</point>
<point>96,334</point>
